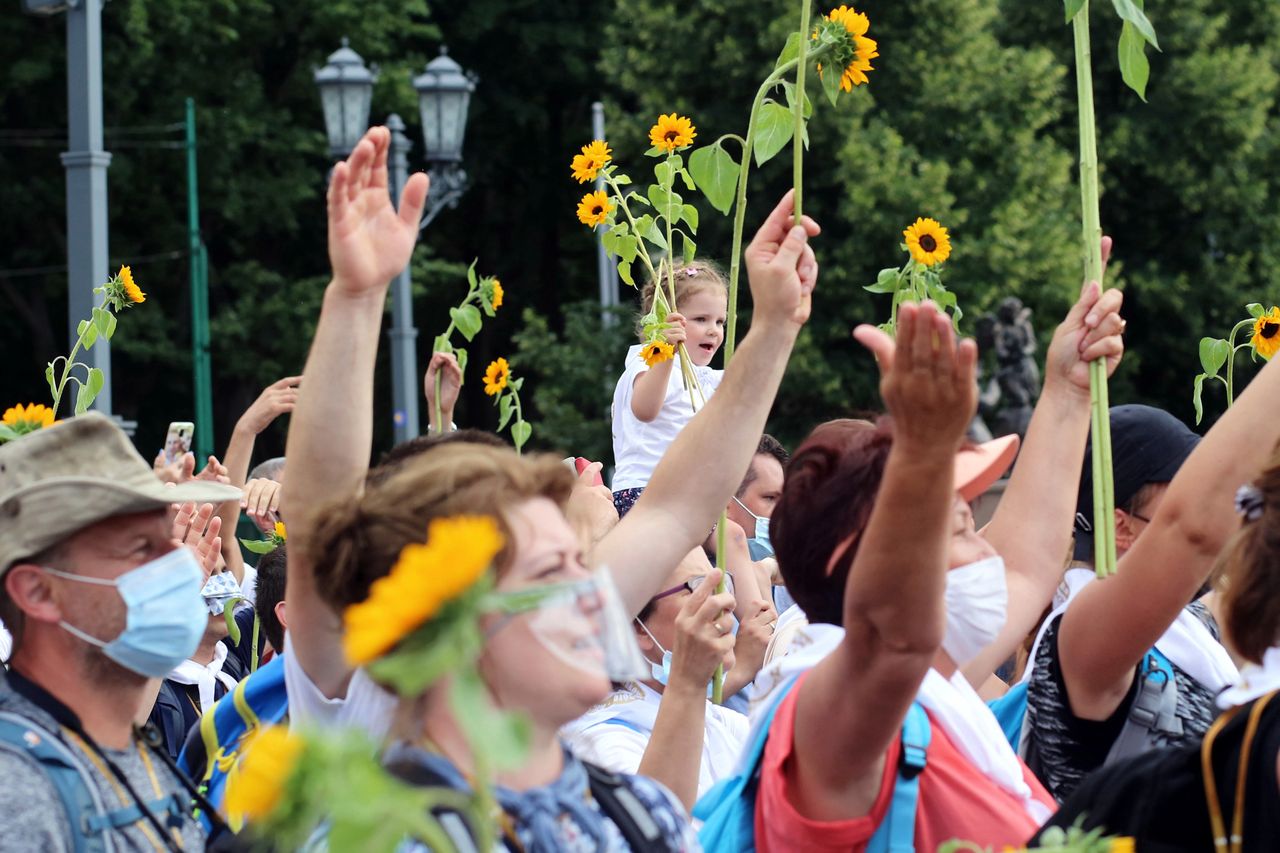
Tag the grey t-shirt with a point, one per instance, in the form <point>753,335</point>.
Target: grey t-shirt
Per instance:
<point>32,817</point>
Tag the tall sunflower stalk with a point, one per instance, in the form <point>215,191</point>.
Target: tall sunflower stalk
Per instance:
<point>1264,342</point>
<point>839,38</point>
<point>1136,33</point>
<point>483,294</point>
<point>119,293</point>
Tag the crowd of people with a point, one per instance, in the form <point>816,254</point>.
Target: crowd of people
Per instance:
<point>892,676</point>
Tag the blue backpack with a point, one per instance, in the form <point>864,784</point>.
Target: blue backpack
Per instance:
<point>728,809</point>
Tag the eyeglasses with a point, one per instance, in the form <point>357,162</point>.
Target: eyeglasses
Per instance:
<point>693,583</point>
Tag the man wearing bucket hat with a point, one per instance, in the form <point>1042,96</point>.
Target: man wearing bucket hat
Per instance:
<point>101,599</point>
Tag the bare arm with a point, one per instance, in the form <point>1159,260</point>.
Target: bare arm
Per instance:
<point>1171,560</point>
<point>894,613</point>
<point>649,390</point>
<point>331,435</point>
<point>705,464</point>
<point>1032,526</point>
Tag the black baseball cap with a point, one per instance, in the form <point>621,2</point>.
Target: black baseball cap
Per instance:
<point>1148,445</point>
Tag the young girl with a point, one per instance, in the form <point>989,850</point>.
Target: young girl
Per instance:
<point>650,403</point>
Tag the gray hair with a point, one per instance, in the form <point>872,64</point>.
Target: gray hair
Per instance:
<point>272,469</point>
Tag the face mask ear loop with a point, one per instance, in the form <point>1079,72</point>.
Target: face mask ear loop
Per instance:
<point>744,508</point>
<point>81,578</point>
<point>644,628</point>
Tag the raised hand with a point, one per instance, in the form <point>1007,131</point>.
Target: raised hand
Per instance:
<point>444,365</point>
<point>675,332</point>
<point>198,529</point>
<point>703,637</point>
<point>781,267</point>
<point>1093,329</point>
<point>261,502</point>
<point>214,472</point>
<point>927,381</point>
<point>369,242</point>
<point>179,471</point>
<point>276,399</point>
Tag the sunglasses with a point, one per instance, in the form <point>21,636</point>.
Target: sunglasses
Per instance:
<point>693,583</point>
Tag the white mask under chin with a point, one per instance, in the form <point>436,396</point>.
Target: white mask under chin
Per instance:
<point>977,605</point>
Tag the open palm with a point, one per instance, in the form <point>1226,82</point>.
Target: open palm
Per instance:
<point>369,242</point>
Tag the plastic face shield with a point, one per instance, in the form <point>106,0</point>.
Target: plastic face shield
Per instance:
<point>584,624</point>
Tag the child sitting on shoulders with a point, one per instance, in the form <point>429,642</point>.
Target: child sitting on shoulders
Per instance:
<point>651,403</point>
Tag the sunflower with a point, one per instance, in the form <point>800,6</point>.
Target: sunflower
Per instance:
<point>280,532</point>
<point>594,208</point>
<point>928,242</point>
<point>672,132</point>
<point>131,291</point>
<point>1122,844</point>
<point>256,784</point>
<point>495,294</point>
<point>1265,340</point>
<point>495,377</point>
<point>427,576</point>
<point>859,51</point>
<point>592,159</point>
<point>656,352</point>
<point>32,417</point>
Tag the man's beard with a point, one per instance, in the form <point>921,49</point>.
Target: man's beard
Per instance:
<point>105,671</point>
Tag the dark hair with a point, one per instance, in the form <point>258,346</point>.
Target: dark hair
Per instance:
<point>768,446</point>
<point>268,593</point>
<point>1251,566</point>
<point>830,488</point>
<point>406,450</point>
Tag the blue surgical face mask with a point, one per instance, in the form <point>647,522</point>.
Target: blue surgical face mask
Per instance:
<point>758,546</point>
<point>166,617</point>
<point>662,671</point>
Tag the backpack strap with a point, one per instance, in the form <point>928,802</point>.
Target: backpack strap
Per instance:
<point>897,831</point>
<point>1154,709</point>
<point>456,824</point>
<point>68,776</point>
<point>620,804</point>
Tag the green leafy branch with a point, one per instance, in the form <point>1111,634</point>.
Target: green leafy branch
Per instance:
<point>101,324</point>
<point>483,294</point>
<point>914,282</point>
<point>507,399</point>
<point>1217,352</point>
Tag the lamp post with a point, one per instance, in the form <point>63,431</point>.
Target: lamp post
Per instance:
<point>444,95</point>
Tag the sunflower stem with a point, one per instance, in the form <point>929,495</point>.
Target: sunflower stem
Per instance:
<point>1091,232</point>
<point>439,407</point>
<point>1231,359</point>
<point>797,140</point>
<point>70,362</point>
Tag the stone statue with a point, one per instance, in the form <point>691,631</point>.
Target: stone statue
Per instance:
<point>1007,399</point>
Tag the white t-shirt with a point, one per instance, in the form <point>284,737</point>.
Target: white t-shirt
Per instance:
<point>615,733</point>
<point>637,446</point>
<point>366,705</point>
<point>6,643</point>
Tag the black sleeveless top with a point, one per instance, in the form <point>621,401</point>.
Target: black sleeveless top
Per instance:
<point>1159,797</point>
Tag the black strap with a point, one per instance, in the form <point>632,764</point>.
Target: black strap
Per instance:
<point>151,736</point>
<point>620,805</point>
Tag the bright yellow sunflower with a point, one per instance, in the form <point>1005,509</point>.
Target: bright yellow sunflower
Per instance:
<point>656,352</point>
<point>495,377</point>
<point>495,294</point>
<point>1122,844</point>
<point>1265,340</point>
<point>594,208</point>
<point>593,158</point>
<point>255,785</point>
<point>928,242</point>
<point>281,533</point>
<point>427,576</point>
<point>131,291</point>
<point>27,419</point>
<point>864,49</point>
<point>672,132</point>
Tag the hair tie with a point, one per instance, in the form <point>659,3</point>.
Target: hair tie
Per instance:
<point>1250,502</point>
<point>690,272</point>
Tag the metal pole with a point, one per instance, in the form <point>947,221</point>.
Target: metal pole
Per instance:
<point>202,384</point>
<point>606,271</point>
<point>404,356</point>
<point>86,165</point>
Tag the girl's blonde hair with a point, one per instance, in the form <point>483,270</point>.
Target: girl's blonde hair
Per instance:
<point>691,279</point>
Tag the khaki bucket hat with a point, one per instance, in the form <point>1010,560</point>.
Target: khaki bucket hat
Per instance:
<point>64,478</point>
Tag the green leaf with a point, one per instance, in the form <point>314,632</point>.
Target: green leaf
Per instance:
<point>258,546</point>
<point>790,50</point>
<point>886,282</point>
<point>506,406</point>
<point>687,179</point>
<point>790,89</point>
<point>629,248</point>
<point>1255,310</point>
<point>48,377</point>
<point>621,179</point>
<point>520,432</point>
<point>503,735</point>
<point>831,84</point>
<point>233,628</point>
<point>1073,9</point>
<point>689,214</point>
<point>7,434</point>
<point>461,355</point>
<point>1213,354</point>
<point>716,174</point>
<point>516,384</point>
<point>1195,397</point>
<point>88,333</point>
<point>467,319</point>
<point>647,227</point>
<point>1134,67</point>
<point>471,273</point>
<point>635,196</point>
<point>451,639</point>
<point>662,172</point>
<point>774,126</point>
<point>690,248</point>
<point>89,390</point>
<point>1131,12</point>
<point>624,273</point>
<point>658,197</point>
<point>655,151</point>
<point>107,325</point>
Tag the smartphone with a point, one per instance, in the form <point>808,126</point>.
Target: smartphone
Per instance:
<point>178,440</point>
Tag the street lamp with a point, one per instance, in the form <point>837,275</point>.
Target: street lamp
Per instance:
<point>444,93</point>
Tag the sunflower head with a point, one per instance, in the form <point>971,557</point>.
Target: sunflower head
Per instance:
<point>593,158</point>
<point>846,30</point>
<point>24,419</point>
<point>1266,334</point>
<point>594,209</point>
<point>671,133</point>
<point>927,241</point>
<point>131,291</point>
<point>493,293</point>
<point>496,376</point>
<point>424,579</point>
<point>656,352</point>
<point>1122,844</point>
<point>280,532</point>
<point>255,786</point>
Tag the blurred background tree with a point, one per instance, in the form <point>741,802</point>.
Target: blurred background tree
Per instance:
<point>969,118</point>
